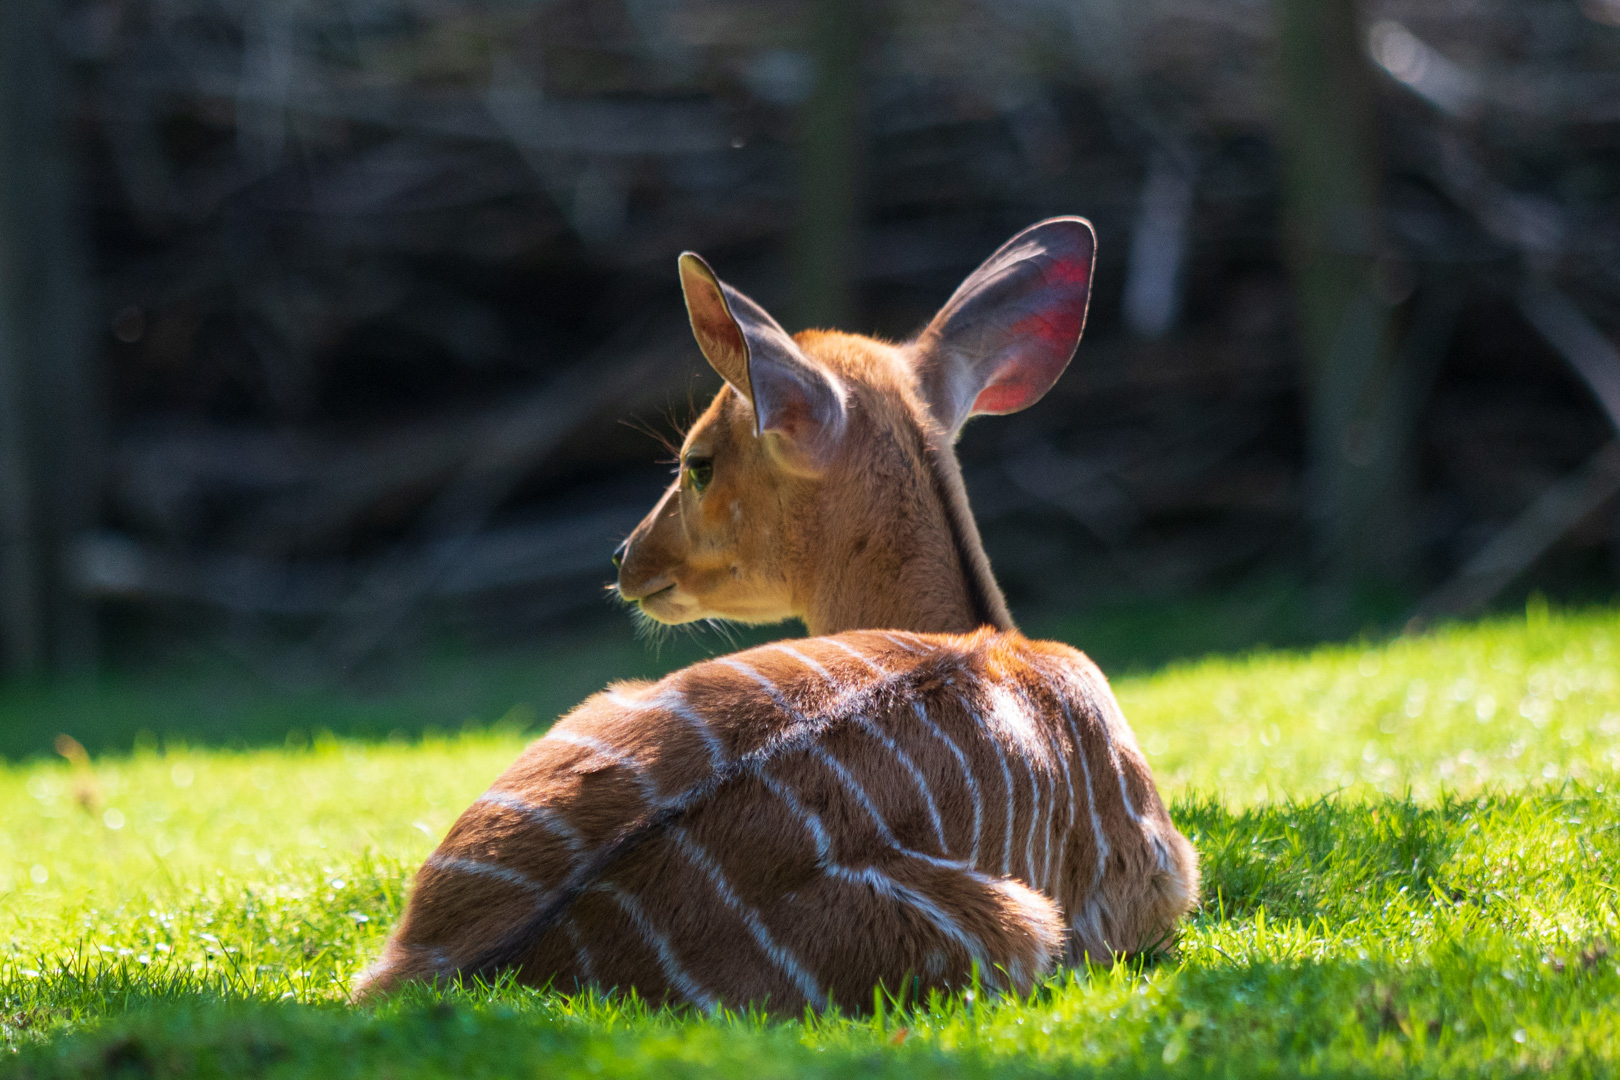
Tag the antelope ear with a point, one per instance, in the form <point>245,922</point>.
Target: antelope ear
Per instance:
<point>792,396</point>
<point>1007,333</point>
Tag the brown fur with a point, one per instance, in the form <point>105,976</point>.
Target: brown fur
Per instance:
<point>870,542</point>
<point>804,821</point>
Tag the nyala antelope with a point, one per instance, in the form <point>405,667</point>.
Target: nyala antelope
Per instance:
<point>915,792</point>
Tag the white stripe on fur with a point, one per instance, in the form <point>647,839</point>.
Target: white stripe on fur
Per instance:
<point>672,701</point>
<point>967,774</point>
<point>648,786</point>
<point>544,816</point>
<point>668,962</point>
<point>581,953</point>
<point>453,865</point>
<point>781,956</point>
<point>1006,778</point>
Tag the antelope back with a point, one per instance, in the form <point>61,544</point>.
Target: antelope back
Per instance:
<point>821,483</point>
<point>799,822</point>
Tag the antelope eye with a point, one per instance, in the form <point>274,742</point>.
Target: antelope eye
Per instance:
<point>701,470</point>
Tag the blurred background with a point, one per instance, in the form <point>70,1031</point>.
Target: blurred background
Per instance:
<point>338,337</point>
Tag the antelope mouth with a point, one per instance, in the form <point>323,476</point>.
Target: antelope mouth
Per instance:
<point>634,592</point>
<point>656,593</point>
<point>665,605</point>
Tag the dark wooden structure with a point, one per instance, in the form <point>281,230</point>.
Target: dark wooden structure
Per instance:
<point>316,321</point>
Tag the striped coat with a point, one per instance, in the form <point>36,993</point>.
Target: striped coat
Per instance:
<point>799,822</point>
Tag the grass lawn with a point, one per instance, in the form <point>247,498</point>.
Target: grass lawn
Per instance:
<point>1409,853</point>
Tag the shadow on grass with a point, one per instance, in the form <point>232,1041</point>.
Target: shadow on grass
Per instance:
<point>214,704</point>
<point>1458,1012</point>
<point>1363,938</point>
<point>218,702</point>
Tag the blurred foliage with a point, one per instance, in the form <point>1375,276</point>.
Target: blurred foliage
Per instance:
<point>376,281</point>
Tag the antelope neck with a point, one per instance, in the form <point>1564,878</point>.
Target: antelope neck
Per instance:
<point>949,589</point>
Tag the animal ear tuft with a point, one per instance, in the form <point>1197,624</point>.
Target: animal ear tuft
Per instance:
<point>1011,328</point>
<point>793,397</point>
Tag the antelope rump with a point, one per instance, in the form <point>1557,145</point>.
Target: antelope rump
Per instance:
<point>915,792</point>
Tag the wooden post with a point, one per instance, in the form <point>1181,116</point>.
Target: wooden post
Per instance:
<point>22,645</point>
<point>1359,449</point>
<point>824,235</point>
<point>48,432</point>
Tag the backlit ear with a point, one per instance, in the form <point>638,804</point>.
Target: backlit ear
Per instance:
<point>1008,332</point>
<point>793,398</point>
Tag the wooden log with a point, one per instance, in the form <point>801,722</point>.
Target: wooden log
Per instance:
<point>1566,503</point>
<point>522,117</point>
<point>372,612</point>
<point>555,551</point>
<point>1586,348</point>
<point>486,451</point>
<point>22,633</point>
<point>1334,242</point>
<point>1159,240</point>
<point>48,431</point>
<point>830,148</point>
<point>1518,546</point>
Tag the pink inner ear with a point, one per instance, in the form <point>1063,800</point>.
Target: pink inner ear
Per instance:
<point>1075,272</point>
<point>1042,343</point>
<point>715,327</point>
<point>717,332</point>
<point>1023,378</point>
<point>1007,397</point>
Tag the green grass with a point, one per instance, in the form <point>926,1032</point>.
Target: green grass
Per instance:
<point>207,700</point>
<point>1409,848</point>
